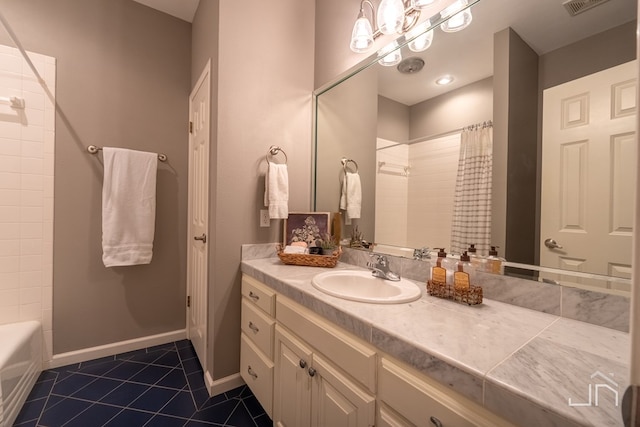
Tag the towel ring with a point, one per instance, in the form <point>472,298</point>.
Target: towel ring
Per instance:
<point>274,150</point>
<point>346,161</point>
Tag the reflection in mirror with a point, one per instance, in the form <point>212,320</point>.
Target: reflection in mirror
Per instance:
<point>560,93</point>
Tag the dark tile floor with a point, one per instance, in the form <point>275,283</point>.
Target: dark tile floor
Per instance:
<point>157,386</point>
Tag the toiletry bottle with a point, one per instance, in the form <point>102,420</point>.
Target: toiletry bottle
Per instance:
<point>494,262</point>
<point>447,263</point>
<point>465,273</point>
<point>438,273</point>
<point>476,260</point>
<point>465,265</point>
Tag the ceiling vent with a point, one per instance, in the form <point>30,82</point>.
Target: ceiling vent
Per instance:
<point>410,65</point>
<point>575,7</point>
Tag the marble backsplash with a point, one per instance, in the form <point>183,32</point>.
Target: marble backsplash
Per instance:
<point>598,308</point>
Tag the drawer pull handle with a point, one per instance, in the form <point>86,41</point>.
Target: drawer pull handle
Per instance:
<point>312,372</point>
<point>253,327</point>
<point>250,371</point>
<point>254,296</point>
<point>303,363</point>
<point>436,422</point>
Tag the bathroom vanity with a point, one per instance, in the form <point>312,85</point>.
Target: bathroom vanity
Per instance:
<point>315,359</point>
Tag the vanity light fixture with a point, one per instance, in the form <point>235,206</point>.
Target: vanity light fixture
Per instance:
<point>392,17</point>
<point>390,55</point>
<point>362,35</point>
<point>458,19</point>
<point>423,40</point>
<point>444,80</point>
<point>421,4</point>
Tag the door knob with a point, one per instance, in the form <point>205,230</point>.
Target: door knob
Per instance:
<point>203,238</point>
<point>552,244</point>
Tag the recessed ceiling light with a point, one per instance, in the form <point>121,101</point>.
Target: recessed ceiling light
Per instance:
<point>444,80</point>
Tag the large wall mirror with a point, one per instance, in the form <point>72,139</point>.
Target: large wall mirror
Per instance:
<point>555,91</point>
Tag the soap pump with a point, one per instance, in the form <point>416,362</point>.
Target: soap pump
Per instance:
<point>494,262</point>
<point>476,260</point>
<point>448,264</point>
<point>465,272</point>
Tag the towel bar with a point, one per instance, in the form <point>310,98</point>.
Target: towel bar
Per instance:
<point>93,150</point>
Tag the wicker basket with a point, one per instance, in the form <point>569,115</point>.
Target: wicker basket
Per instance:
<point>310,260</point>
<point>471,295</point>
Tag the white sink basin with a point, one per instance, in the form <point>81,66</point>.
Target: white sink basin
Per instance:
<point>358,285</point>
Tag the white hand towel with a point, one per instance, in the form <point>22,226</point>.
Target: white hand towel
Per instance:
<point>276,192</point>
<point>128,206</point>
<point>351,195</point>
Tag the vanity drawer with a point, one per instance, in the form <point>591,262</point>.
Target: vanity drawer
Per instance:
<point>352,356</point>
<point>257,372</point>
<point>259,294</point>
<point>425,402</point>
<point>258,327</point>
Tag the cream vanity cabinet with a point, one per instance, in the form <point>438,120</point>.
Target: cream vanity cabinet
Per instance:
<point>311,384</point>
<point>256,340</point>
<point>312,373</point>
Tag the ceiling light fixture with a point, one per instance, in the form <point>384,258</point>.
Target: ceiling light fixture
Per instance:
<point>456,18</point>
<point>444,80</point>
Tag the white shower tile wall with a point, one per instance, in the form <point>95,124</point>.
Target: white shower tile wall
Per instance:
<point>27,139</point>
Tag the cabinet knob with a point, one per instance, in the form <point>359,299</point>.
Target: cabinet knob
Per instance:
<point>312,372</point>
<point>303,363</point>
<point>253,327</point>
<point>436,422</point>
<point>253,374</point>
<point>253,296</point>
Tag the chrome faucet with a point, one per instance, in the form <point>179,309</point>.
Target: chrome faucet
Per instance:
<point>379,267</point>
<point>422,253</point>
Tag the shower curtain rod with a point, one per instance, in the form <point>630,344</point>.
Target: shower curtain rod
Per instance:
<point>486,123</point>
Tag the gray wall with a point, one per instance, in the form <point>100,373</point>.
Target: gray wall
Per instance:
<point>453,110</point>
<point>263,82</point>
<point>347,116</point>
<point>393,120</point>
<point>123,80</point>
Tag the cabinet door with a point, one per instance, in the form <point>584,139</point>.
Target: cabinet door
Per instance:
<point>292,388</point>
<point>337,401</point>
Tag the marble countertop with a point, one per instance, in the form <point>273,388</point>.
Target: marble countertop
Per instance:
<point>529,367</point>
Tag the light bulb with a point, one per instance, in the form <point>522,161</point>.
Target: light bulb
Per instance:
<point>390,55</point>
<point>423,40</point>
<point>444,80</point>
<point>421,4</point>
<point>362,35</point>
<point>458,19</point>
<point>390,16</point>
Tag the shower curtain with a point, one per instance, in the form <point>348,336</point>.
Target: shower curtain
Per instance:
<point>471,221</point>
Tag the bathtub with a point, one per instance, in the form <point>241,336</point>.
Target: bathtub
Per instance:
<point>20,365</point>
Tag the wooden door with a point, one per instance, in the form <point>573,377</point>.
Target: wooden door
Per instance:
<point>588,175</point>
<point>292,383</point>
<point>336,401</point>
<point>198,213</point>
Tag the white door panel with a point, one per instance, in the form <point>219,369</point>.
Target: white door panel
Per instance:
<point>198,229</point>
<point>588,176</point>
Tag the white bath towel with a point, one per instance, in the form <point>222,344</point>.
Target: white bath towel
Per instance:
<point>351,195</point>
<point>276,192</point>
<point>128,206</point>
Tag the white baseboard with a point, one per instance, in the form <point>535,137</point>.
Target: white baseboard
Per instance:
<point>223,384</point>
<point>91,353</point>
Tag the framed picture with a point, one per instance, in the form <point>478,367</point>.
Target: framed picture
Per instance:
<point>306,227</point>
